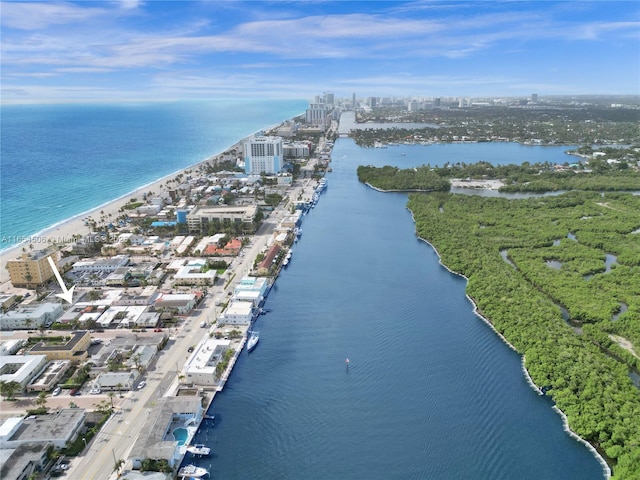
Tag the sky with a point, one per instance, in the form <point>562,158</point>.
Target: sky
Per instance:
<point>136,50</point>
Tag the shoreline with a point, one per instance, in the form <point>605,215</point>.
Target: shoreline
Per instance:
<point>62,232</point>
<point>606,468</point>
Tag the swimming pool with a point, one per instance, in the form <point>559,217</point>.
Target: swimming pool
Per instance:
<point>181,435</point>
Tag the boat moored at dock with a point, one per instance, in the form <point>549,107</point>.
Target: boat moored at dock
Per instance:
<point>253,341</point>
<point>199,449</point>
<point>192,471</point>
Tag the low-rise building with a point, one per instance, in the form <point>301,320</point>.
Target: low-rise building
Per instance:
<point>122,316</point>
<point>181,303</point>
<point>252,297</point>
<point>200,368</point>
<point>158,438</point>
<point>237,313</point>
<point>140,297</point>
<point>82,313</point>
<point>31,316</point>
<point>21,368</point>
<point>253,284</point>
<point>74,348</point>
<point>101,265</point>
<point>284,179</point>
<point>7,301</point>
<point>11,346</point>
<point>195,273</point>
<point>53,373</point>
<point>116,381</point>
<point>202,218</point>
<point>268,262</point>
<point>22,463</point>
<point>58,428</point>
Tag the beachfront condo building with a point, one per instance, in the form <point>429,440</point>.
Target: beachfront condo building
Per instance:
<point>32,269</point>
<point>263,155</point>
<point>318,114</point>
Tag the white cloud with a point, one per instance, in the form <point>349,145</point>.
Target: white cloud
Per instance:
<point>39,15</point>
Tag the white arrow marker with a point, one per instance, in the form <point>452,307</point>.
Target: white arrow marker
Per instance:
<point>66,294</point>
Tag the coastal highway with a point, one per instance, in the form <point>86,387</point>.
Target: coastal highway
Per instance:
<point>115,439</point>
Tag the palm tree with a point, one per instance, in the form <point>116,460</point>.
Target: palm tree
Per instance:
<point>41,401</point>
<point>136,361</point>
<point>8,389</point>
<point>118,465</point>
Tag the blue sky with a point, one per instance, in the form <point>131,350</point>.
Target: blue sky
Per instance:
<point>163,50</point>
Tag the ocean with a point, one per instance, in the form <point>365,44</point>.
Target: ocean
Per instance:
<point>58,161</point>
<point>430,391</point>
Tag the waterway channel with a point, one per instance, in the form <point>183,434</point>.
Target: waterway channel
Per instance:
<point>430,391</point>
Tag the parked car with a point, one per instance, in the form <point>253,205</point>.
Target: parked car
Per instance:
<point>141,385</point>
<point>190,349</point>
<point>57,391</point>
<point>95,391</point>
<point>73,392</point>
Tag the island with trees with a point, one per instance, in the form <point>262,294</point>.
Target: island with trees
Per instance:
<point>559,277</point>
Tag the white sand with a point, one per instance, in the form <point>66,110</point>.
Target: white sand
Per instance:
<point>63,232</point>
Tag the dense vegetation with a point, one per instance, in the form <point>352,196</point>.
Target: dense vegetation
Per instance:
<point>392,178</point>
<point>542,124</point>
<point>527,177</point>
<point>584,370</point>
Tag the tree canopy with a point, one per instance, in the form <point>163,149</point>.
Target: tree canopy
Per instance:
<point>504,248</point>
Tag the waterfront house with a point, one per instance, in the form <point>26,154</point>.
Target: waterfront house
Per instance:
<point>237,313</point>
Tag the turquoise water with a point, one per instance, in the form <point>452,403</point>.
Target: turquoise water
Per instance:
<point>431,392</point>
<point>58,161</point>
<point>181,435</point>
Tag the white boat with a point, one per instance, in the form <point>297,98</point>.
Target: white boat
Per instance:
<point>198,449</point>
<point>192,471</point>
<point>253,341</point>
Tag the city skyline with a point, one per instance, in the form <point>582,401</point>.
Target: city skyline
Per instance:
<point>142,51</point>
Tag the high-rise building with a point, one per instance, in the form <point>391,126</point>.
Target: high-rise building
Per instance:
<point>329,98</point>
<point>437,101</point>
<point>32,269</point>
<point>317,114</point>
<point>534,97</point>
<point>263,155</point>
<point>353,100</point>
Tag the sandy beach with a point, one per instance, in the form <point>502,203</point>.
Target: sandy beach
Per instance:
<point>62,233</point>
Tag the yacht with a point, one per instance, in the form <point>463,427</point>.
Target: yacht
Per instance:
<point>199,449</point>
<point>253,341</point>
<point>192,471</point>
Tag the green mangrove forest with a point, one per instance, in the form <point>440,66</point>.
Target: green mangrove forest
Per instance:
<point>597,175</point>
<point>559,277</point>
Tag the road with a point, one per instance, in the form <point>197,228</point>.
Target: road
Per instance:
<point>116,438</point>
